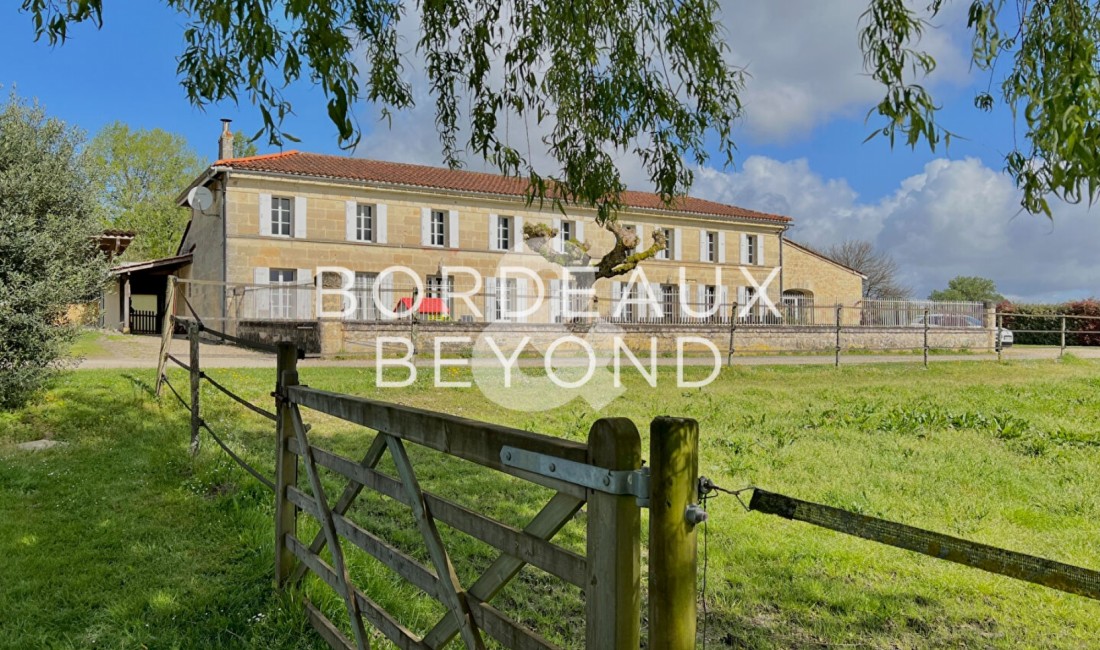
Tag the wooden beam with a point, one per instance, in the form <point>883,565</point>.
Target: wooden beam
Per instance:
<point>398,634</point>
<point>554,515</point>
<point>286,466</point>
<point>613,594</point>
<point>478,442</point>
<point>450,589</point>
<point>526,547</point>
<point>166,333</point>
<point>329,632</point>
<point>505,631</point>
<point>346,590</point>
<point>403,565</point>
<point>351,492</point>
<point>674,485</point>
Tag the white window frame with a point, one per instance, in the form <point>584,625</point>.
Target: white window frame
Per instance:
<point>753,244</point>
<point>712,246</point>
<point>507,297</point>
<point>283,296</point>
<point>363,289</point>
<point>666,253</point>
<point>437,229</point>
<point>567,231</point>
<point>277,211</point>
<point>505,233</point>
<point>366,225</point>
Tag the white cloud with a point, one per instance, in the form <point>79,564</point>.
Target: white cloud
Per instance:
<point>957,217</point>
<point>806,66</point>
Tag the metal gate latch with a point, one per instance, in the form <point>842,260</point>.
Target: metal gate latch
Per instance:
<point>621,482</point>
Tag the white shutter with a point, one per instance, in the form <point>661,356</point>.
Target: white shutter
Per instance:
<point>380,223</point>
<point>522,287</point>
<point>303,299</point>
<point>580,230</point>
<point>677,249</point>
<point>351,210</point>
<point>452,229</point>
<point>517,229</point>
<point>760,250</point>
<point>265,214</point>
<point>555,300</point>
<point>640,231</point>
<point>616,299</point>
<point>559,240</point>
<point>724,301</point>
<point>703,246</point>
<point>300,217</point>
<point>656,310</point>
<point>742,297</point>
<point>700,306</point>
<point>261,295</point>
<point>721,247</point>
<point>490,299</point>
<point>494,221</point>
<point>744,251</point>
<point>386,296</point>
<point>425,229</point>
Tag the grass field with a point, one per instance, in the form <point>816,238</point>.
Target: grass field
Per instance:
<point>118,540</point>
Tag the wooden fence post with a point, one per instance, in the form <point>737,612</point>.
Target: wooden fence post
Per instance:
<point>1062,350</point>
<point>733,328</point>
<point>925,337</point>
<point>196,380</point>
<point>997,343</point>
<point>167,325</point>
<point>674,487</point>
<point>286,462</point>
<point>839,313</point>
<point>613,596</point>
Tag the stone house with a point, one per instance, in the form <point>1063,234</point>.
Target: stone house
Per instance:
<point>275,218</point>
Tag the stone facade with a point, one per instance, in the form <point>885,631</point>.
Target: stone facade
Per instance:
<point>239,249</point>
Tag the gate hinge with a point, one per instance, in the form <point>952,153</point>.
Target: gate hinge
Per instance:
<point>620,482</point>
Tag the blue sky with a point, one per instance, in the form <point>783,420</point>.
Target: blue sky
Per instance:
<point>940,213</point>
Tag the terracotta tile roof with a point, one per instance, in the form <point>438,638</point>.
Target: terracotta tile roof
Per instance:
<point>360,169</point>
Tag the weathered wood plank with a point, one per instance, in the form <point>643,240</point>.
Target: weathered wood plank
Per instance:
<point>403,565</point>
<point>545,525</point>
<point>196,416</point>
<point>166,333</point>
<point>346,590</point>
<point>450,591</point>
<point>286,467</point>
<point>351,492</point>
<point>398,634</point>
<point>504,630</point>
<point>613,591</point>
<point>329,632</point>
<point>674,486</point>
<point>526,547</point>
<point>478,442</point>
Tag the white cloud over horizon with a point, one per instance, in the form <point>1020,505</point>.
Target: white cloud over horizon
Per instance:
<point>957,217</point>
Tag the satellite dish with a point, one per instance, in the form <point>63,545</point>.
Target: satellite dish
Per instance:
<point>200,198</point>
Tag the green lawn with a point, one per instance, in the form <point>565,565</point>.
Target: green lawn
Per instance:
<point>118,540</point>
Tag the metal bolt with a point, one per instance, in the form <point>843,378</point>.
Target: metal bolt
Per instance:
<point>553,467</point>
<point>695,515</point>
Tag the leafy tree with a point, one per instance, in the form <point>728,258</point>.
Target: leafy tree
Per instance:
<point>48,256</point>
<point>138,174</point>
<point>881,270</point>
<point>599,78</point>
<point>243,146</point>
<point>968,288</point>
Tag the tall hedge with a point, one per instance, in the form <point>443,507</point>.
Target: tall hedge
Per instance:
<point>1041,324</point>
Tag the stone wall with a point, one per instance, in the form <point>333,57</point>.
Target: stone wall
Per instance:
<point>360,339</point>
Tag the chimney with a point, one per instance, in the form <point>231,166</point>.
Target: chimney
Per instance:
<point>225,142</point>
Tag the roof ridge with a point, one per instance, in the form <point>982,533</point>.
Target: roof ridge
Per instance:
<point>427,176</point>
<point>263,156</point>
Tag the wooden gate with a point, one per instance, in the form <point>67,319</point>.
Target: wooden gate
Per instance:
<point>605,475</point>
